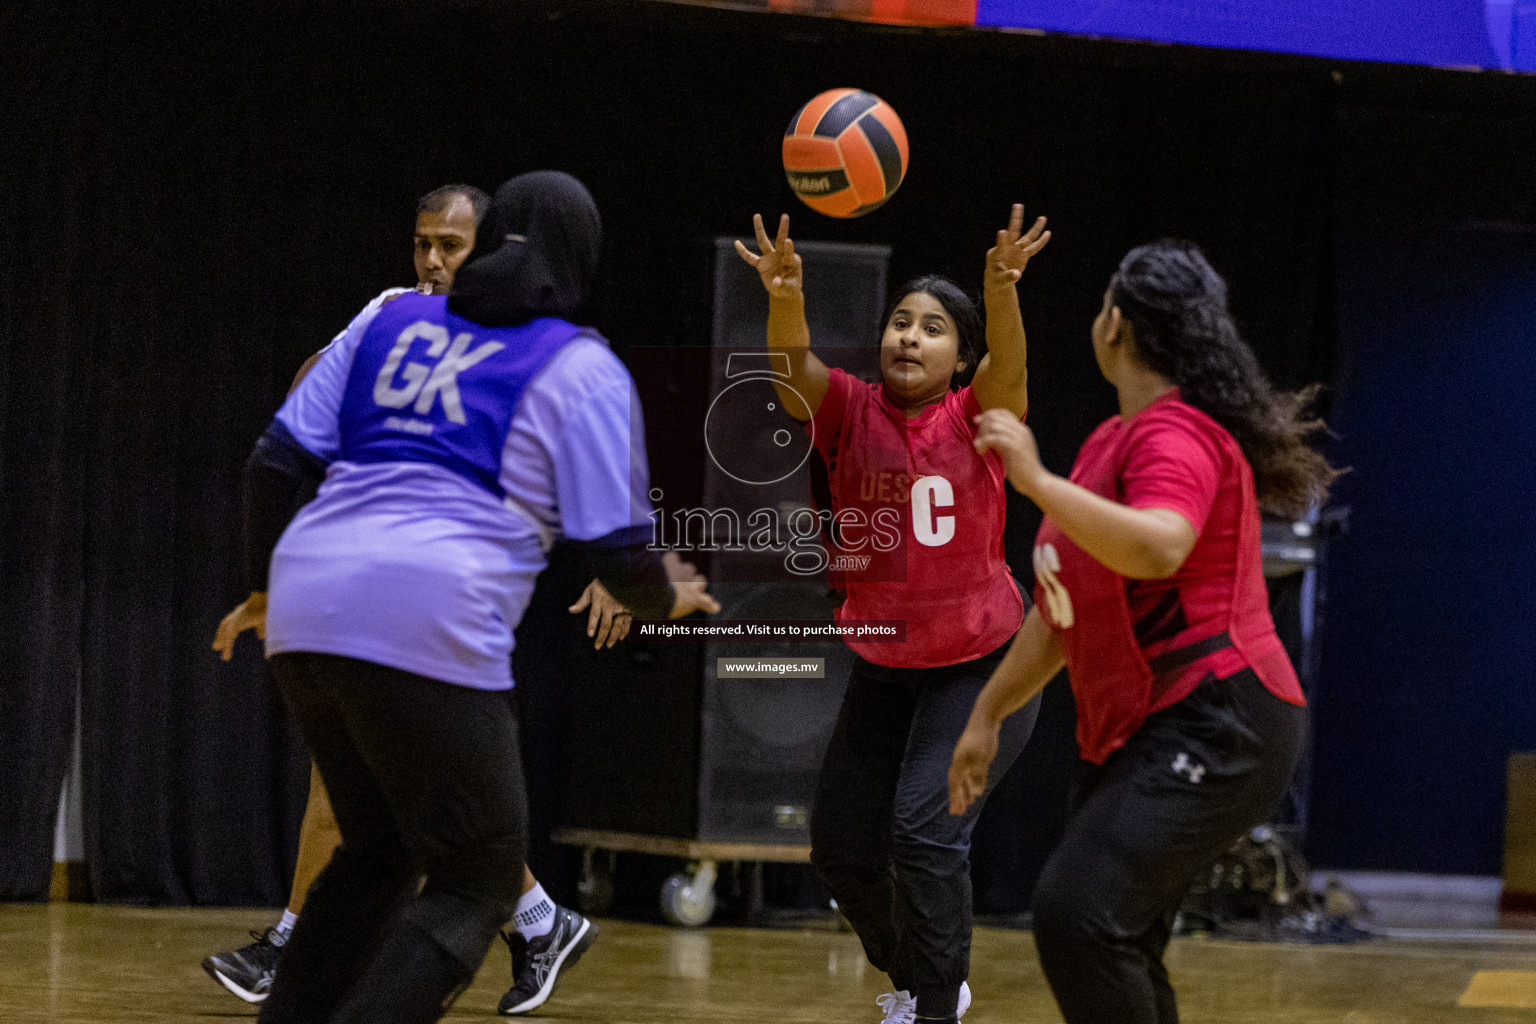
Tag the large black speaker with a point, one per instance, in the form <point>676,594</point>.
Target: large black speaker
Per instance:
<point>661,743</point>
<point>763,738</point>
<point>1294,560</point>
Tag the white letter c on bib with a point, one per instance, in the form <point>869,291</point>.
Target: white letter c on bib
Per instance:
<point>929,492</point>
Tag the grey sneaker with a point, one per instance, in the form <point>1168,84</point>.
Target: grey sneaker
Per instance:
<point>249,970</point>
<point>537,964</point>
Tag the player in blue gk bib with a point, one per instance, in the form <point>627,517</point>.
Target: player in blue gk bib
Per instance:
<point>460,437</point>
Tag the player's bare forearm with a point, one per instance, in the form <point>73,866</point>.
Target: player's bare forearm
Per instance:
<point>1032,660</point>
<point>1141,543</point>
<point>1002,380</point>
<point>1138,543</point>
<point>790,335</point>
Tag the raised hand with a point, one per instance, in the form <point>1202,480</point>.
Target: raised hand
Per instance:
<point>1012,251</point>
<point>775,261</point>
<point>1001,431</point>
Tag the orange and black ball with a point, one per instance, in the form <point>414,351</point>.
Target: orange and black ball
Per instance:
<point>845,152</point>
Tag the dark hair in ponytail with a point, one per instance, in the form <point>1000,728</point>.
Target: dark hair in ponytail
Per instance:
<point>962,310</point>
<point>1177,307</point>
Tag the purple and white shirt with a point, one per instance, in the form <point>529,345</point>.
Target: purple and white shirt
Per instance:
<point>458,456</point>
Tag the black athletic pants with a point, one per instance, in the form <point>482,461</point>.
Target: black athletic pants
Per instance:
<point>1193,779</point>
<point>426,780</point>
<point>882,837</point>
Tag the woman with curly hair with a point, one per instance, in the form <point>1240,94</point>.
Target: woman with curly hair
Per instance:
<point>1149,589</point>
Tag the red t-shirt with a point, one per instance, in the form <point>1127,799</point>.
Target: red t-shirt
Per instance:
<point>1133,647</point>
<point>1171,463</point>
<point>920,515</point>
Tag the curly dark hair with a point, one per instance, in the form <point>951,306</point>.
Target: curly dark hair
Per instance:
<point>962,309</point>
<point>1177,306</point>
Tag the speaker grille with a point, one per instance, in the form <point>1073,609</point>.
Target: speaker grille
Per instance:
<point>762,740</point>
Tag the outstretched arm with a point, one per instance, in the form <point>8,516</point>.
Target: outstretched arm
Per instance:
<point>1137,543</point>
<point>608,620</point>
<point>1032,659</point>
<point>278,471</point>
<point>1001,381</point>
<point>281,468</point>
<point>601,481</point>
<point>777,263</point>
<point>640,580</point>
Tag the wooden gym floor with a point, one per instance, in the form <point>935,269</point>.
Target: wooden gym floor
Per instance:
<point>83,964</point>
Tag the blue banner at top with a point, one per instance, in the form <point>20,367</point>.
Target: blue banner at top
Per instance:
<point>1445,33</point>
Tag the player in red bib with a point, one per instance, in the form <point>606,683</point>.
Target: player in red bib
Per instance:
<point>923,508</point>
<point>1150,592</point>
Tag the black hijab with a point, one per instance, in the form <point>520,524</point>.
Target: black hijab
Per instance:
<point>535,253</point>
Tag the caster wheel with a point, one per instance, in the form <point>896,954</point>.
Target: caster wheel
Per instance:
<point>594,890</point>
<point>688,900</point>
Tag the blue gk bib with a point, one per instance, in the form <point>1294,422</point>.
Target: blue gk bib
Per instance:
<point>428,386</point>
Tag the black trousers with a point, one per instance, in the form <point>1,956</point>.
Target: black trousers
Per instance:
<point>1193,779</point>
<point>882,837</point>
<point>426,782</point>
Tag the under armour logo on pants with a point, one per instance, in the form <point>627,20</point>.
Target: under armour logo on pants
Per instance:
<point>1185,765</point>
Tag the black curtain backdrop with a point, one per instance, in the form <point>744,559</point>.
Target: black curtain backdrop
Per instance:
<point>41,503</point>
<point>198,196</point>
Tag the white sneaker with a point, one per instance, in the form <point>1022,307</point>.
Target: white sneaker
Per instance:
<point>901,1006</point>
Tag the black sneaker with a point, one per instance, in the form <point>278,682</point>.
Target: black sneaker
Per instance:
<point>536,964</point>
<point>248,971</point>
